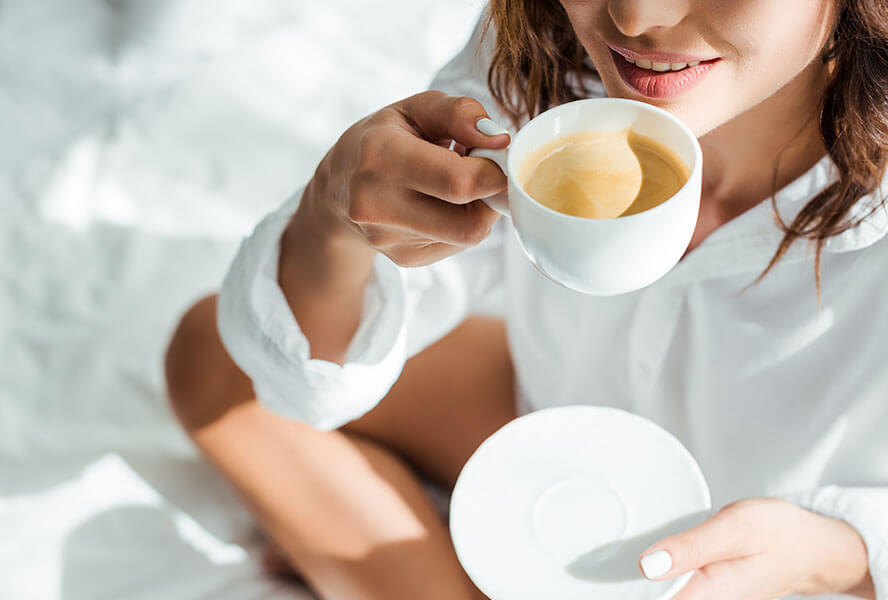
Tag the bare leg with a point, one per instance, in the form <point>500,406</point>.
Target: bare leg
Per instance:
<point>345,506</point>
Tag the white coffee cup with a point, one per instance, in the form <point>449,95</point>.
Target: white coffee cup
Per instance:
<point>601,256</point>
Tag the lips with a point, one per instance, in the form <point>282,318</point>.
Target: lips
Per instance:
<point>661,84</point>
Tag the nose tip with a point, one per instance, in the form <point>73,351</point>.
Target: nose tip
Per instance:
<point>633,18</point>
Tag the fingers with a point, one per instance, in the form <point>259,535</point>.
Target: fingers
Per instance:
<point>724,581</point>
<point>444,174</point>
<point>435,115</point>
<point>411,195</point>
<point>452,145</point>
<point>460,225</point>
<point>722,537</point>
<point>420,256</point>
<point>417,218</point>
<point>749,550</point>
<point>459,149</point>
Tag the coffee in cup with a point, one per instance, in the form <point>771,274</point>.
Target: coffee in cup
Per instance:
<point>604,256</point>
<point>602,174</point>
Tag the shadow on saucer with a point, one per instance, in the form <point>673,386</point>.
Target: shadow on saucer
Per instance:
<point>618,561</point>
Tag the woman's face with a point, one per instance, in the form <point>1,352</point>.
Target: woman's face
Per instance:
<point>757,47</point>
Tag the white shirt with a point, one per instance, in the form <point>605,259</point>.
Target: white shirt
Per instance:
<point>773,396</point>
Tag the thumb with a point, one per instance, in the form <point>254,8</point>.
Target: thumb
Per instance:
<point>435,116</point>
<point>721,537</point>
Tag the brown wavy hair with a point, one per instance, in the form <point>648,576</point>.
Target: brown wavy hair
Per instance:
<point>539,63</point>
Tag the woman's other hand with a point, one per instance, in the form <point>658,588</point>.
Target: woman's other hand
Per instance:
<point>761,549</point>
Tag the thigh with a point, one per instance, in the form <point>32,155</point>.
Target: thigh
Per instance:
<point>448,399</point>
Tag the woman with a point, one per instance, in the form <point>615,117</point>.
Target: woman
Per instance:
<point>766,359</point>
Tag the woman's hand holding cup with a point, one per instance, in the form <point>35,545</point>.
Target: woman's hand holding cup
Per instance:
<point>393,183</point>
<point>390,184</point>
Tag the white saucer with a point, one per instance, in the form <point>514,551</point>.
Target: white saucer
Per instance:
<point>559,503</point>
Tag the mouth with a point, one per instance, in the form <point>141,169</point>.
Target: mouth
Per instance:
<point>661,80</point>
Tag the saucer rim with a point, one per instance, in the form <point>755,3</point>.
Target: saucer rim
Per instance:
<point>688,460</point>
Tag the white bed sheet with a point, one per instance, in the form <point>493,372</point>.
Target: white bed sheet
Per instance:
<point>140,141</point>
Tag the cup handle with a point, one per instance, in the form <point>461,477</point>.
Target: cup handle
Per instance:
<point>498,202</point>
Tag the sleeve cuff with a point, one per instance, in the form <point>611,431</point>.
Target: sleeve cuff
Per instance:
<point>265,341</point>
<point>865,509</point>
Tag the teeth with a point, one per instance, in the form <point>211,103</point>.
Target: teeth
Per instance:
<point>658,66</point>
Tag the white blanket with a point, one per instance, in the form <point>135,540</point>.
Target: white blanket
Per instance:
<point>140,140</point>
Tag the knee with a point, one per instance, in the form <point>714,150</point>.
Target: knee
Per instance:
<point>201,379</point>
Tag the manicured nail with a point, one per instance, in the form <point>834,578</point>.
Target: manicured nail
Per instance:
<point>656,564</point>
<point>490,127</point>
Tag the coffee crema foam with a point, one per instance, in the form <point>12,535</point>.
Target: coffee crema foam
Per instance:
<point>602,174</point>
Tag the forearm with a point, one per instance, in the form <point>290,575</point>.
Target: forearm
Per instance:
<point>323,272</point>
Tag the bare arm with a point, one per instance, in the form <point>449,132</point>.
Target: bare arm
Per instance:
<point>389,185</point>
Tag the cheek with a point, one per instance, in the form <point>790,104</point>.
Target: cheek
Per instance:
<point>585,15</point>
<point>592,25</point>
<point>768,43</point>
<point>780,36</point>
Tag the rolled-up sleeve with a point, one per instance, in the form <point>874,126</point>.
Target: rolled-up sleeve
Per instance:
<point>404,310</point>
<point>265,341</point>
<point>865,509</point>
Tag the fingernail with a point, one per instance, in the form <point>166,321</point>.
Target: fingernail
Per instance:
<point>490,127</point>
<point>656,564</point>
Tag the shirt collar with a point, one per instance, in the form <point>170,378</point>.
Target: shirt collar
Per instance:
<point>746,244</point>
<point>869,213</point>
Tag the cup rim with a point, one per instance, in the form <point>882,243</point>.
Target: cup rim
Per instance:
<point>698,158</point>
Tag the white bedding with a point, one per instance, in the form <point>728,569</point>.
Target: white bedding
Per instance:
<point>139,141</point>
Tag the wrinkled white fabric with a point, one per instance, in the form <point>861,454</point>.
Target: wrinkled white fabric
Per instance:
<point>140,142</point>
<point>772,394</point>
